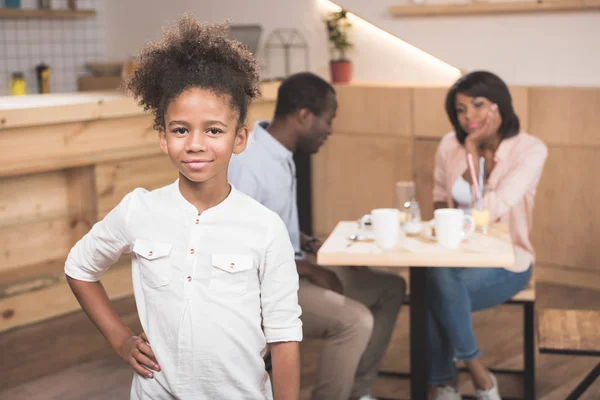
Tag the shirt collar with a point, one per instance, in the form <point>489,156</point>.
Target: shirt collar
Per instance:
<point>272,145</point>
<point>187,207</point>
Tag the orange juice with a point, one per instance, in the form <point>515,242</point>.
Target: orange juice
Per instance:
<point>402,217</point>
<point>482,218</point>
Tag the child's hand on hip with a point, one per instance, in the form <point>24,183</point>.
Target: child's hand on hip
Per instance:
<point>136,352</point>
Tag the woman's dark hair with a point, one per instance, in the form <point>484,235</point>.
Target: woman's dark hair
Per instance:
<point>194,55</point>
<point>302,90</point>
<point>483,84</point>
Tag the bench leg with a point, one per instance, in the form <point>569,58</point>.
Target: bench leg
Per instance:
<point>529,351</point>
<point>585,383</point>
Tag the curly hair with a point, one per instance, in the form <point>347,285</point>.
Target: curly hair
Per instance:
<point>194,55</point>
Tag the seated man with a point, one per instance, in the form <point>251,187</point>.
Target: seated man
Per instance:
<point>353,308</point>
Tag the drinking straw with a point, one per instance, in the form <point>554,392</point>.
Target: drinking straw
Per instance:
<point>473,174</point>
<point>481,165</point>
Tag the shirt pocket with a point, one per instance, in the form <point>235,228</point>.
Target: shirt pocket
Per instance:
<point>153,258</point>
<point>230,274</point>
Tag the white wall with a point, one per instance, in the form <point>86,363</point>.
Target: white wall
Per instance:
<point>524,49</point>
<point>377,57</point>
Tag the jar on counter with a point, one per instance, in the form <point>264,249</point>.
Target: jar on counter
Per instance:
<point>18,86</point>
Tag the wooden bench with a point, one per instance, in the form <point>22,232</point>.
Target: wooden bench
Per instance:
<point>575,332</point>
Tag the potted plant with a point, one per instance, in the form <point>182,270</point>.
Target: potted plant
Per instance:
<point>338,31</point>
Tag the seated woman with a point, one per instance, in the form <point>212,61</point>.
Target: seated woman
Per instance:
<point>480,108</point>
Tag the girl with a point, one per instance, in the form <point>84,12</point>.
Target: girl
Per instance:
<point>214,275</point>
<point>480,109</point>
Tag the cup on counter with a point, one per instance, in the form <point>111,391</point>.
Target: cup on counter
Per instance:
<point>450,224</point>
<point>386,227</point>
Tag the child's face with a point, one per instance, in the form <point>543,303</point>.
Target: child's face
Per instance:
<point>200,135</point>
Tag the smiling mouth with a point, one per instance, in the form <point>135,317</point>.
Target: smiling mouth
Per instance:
<point>197,164</point>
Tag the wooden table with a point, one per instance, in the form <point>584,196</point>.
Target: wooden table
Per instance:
<point>418,253</point>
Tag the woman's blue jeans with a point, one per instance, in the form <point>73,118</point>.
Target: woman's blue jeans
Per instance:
<point>453,294</point>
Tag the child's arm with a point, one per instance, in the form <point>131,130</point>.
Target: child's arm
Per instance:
<point>285,357</point>
<point>100,248</point>
<point>131,348</point>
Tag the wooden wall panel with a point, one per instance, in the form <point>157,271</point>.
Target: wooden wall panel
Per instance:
<point>55,300</point>
<point>260,111</point>
<point>429,112</point>
<point>423,175</point>
<point>360,174</point>
<point>54,147</point>
<point>27,198</point>
<point>83,204</point>
<point>385,110</point>
<point>115,180</point>
<point>520,98</point>
<point>35,242</point>
<point>567,216</point>
<point>566,116</point>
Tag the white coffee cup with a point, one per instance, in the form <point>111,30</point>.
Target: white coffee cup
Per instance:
<point>450,227</point>
<point>386,227</point>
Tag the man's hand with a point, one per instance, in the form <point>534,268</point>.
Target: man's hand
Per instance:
<point>319,276</point>
<point>135,352</point>
<point>310,244</point>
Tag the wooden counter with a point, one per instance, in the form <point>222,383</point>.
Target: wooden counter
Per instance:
<point>65,161</point>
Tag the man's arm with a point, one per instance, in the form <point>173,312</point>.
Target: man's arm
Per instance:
<point>319,276</point>
<point>308,243</point>
<point>285,357</point>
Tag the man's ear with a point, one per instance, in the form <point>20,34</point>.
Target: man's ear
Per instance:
<point>304,117</point>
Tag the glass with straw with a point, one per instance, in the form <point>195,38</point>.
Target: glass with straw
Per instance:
<point>479,214</point>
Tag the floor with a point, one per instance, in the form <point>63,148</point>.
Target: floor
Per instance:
<point>52,359</point>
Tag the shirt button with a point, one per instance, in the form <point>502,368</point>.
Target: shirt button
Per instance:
<point>189,278</point>
<point>231,265</point>
<point>191,251</point>
<point>197,221</point>
<point>150,253</point>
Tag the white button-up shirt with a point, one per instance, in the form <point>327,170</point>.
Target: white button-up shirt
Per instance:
<point>211,290</point>
<point>266,172</point>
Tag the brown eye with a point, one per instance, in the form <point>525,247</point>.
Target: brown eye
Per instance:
<point>179,131</point>
<point>214,131</point>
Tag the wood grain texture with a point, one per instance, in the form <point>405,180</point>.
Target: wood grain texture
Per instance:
<point>35,242</point>
<point>576,330</point>
<point>81,186</point>
<point>492,8</point>
<point>492,250</point>
<point>79,353</point>
<point>566,214</point>
<point>75,144</point>
<point>28,198</point>
<point>115,180</point>
<point>357,175</point>
<point>565,116</point>
<point>366,109</point>
<point>423,175</point>
<point>55,300</point>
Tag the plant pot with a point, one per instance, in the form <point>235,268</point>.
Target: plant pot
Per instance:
<point>341,71</point>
